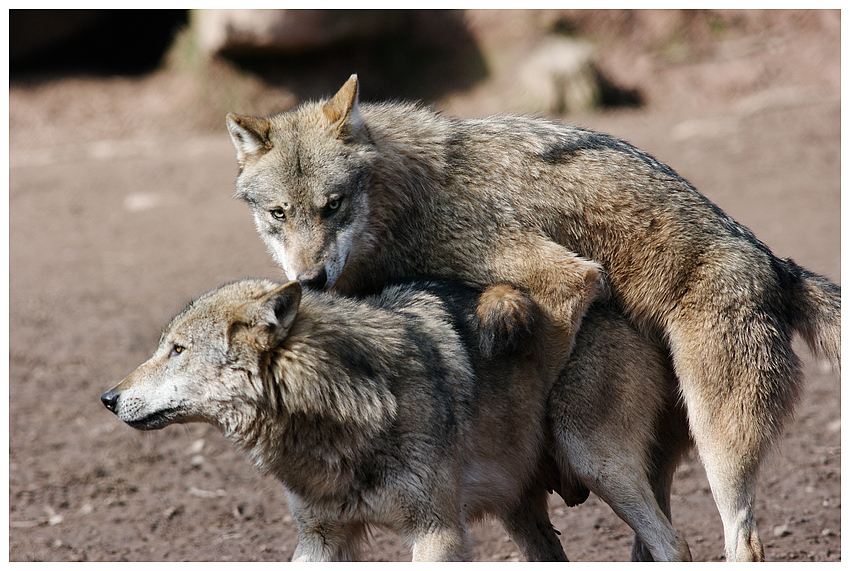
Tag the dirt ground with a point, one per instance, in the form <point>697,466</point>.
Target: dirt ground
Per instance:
<point>121,212</point>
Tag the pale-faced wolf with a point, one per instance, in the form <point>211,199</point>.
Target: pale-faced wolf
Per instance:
<point>352,196</point>
<point>368,411</point>
<point>420,410</point>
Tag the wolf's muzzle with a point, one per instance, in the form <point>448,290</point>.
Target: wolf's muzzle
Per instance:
<point>316,280</point>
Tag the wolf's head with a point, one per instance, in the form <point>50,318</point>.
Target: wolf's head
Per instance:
<point>208,366</point>
<point>304,174</point>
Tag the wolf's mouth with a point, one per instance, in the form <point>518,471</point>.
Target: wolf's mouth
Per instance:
<point>155,421</point>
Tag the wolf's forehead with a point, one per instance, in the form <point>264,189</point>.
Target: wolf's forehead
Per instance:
<point>197,318</point>
<point>220,306</point>
<point>294,132</point>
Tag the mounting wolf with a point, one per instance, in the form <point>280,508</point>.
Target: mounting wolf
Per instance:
<point>351,196</point>
<point>420,410</point>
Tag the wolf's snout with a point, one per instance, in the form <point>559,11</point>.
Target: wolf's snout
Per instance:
<point>316,279</point>
<point>110,399</point>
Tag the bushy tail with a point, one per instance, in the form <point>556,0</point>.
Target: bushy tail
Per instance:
<point>816,315</point>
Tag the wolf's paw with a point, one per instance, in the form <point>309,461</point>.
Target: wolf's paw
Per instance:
<point>505,317</point>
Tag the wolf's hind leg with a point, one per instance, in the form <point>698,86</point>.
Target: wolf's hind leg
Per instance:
<point>662,484</point>
<point>673,441</point>
<point>624,486</point>
<point>734,498</point>
<point>528,525</point>
<point>740,379</point>
<point>617,428</point>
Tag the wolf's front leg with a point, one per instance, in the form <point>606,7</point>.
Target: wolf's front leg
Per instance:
<point>442,544</point>
<point>328,542</point>
<point>561,283</point>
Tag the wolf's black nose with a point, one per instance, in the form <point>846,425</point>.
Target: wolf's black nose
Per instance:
<point>110,400</point>
<point>314,280</point>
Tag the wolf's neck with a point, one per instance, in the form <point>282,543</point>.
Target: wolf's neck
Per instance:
<point>323,417</point>
<point>309,454</point>
<point>407,171</point>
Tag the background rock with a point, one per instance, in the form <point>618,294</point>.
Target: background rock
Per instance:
<point>263,32</point>
<point>559,77</point>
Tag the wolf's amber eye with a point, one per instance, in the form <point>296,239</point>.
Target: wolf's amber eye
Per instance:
<point>334,202</point>
<point>278,213</point>
<point>176,350</point>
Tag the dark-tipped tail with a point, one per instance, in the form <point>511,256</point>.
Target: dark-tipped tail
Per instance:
<point>816,315</point>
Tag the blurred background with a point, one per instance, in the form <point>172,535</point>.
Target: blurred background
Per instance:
<point>121,178</point>
<point>282,56</point>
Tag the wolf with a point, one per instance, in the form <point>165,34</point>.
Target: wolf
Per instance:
<point>370,412</point>
<point>351,196</point>
<point>421,409</point>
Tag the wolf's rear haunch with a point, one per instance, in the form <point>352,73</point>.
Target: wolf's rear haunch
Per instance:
<point>351,196</point>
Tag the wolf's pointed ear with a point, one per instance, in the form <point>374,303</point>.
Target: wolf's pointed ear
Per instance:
<point>250,136</point>
<point>342,111</point>
<point>280,308</point>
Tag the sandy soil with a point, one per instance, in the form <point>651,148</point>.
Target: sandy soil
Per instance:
<point>121,212</point>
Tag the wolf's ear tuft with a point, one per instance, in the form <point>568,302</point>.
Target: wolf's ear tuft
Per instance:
<point>342,111</point>
<point>281,307</point>
<point>250,136</point>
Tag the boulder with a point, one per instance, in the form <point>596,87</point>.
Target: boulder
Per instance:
<point>559,77</point>
<point>271,32</point>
